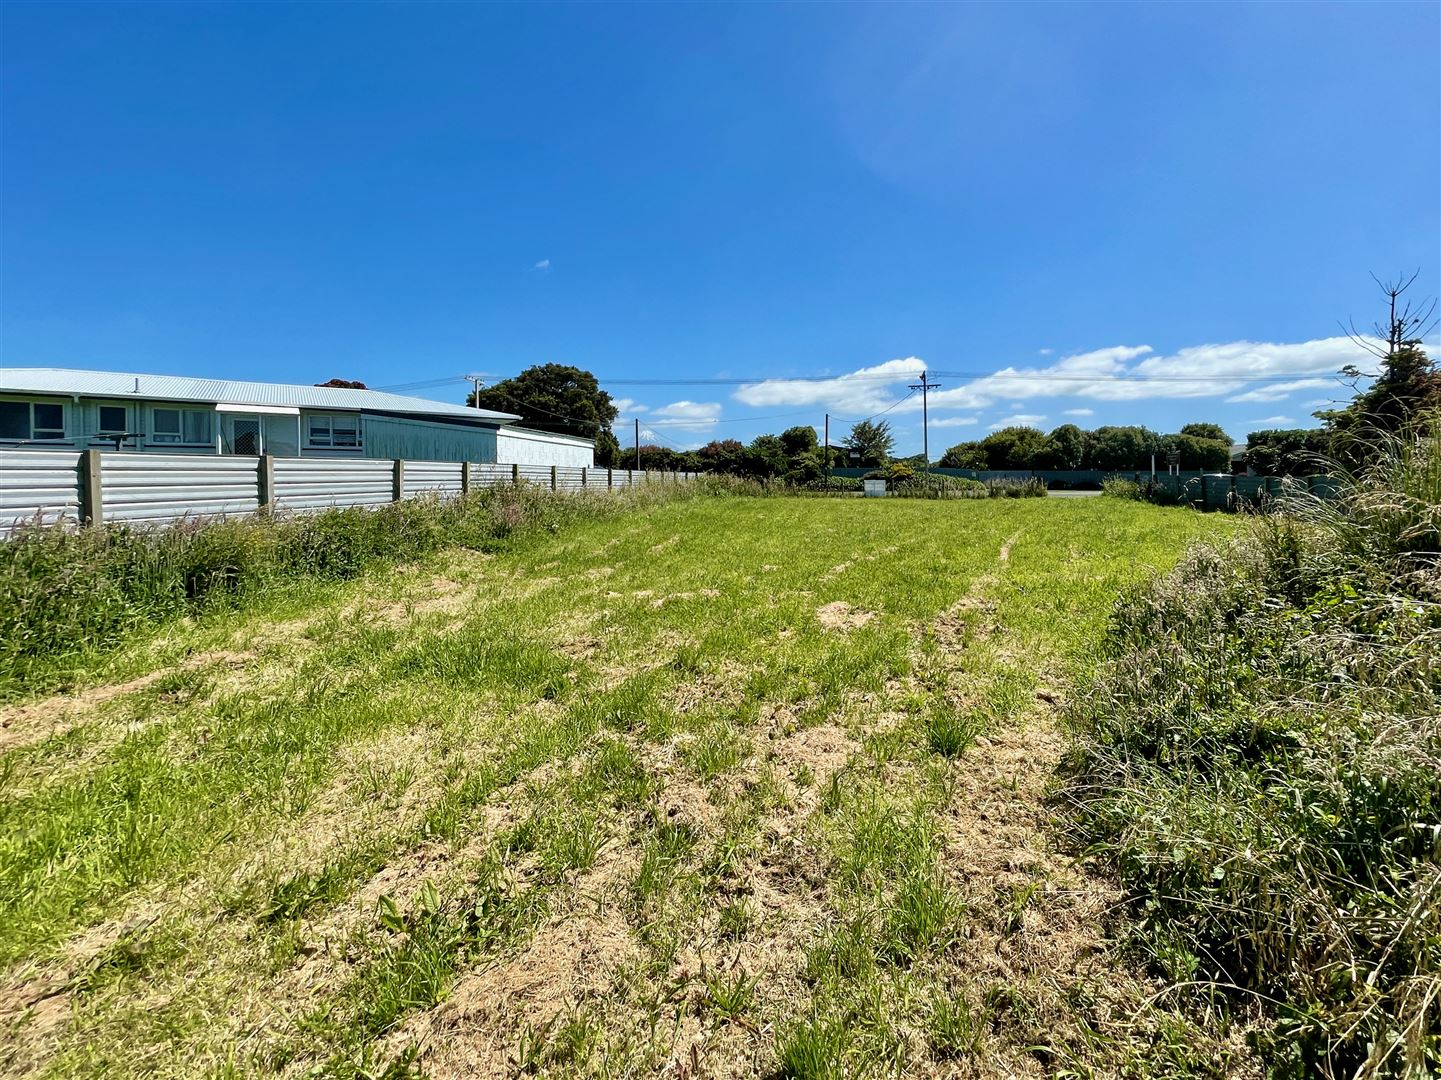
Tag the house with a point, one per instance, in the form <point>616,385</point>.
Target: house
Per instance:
<point>66,409</point>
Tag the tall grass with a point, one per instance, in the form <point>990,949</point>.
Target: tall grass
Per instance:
<point>1260,760</point>
<point>68,595</point>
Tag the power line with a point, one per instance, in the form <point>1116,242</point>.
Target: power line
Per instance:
<point>902,376</point>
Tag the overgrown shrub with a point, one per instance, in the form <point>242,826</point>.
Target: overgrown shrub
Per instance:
<point>68,594</point>
<point>1009,487</point>
<point>835,484</point>
<point>1120,487</point>
<point>1259,760</point>
<point>939,486</point>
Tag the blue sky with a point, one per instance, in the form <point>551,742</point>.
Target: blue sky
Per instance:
<point>1157,202</point>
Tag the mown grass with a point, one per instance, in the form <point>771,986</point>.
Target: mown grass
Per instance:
<point>597,800</point>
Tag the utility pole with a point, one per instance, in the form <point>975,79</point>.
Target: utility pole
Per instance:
<point>925,386</point>
<point>476,380</point>
<point>637,444</point>
<point>826,461</point>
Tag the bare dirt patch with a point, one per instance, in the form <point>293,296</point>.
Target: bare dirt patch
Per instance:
<point>839,615</point>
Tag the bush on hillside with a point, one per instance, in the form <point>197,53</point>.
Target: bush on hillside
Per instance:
<point>1258,760</point>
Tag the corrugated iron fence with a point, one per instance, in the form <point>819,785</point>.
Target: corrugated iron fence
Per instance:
<point>99,486</point>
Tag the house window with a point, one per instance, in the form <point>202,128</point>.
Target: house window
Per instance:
<point>31,420</point>
<point>333,432</point>
<point>112,420</point>
<point>190,427</point>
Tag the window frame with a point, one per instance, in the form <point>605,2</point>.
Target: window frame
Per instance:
<point>32,435</point>
<point>101,429</point>
<point>156,437</point>
<point>329,419</point>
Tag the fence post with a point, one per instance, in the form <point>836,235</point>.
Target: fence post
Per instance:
<point>91,508</point>
<point>1205,502</point>
<point>265,480</point>
<point>397,480</point>
<point>465,478</point>
<point>515,472</point>
<point>583,471</point>
<point>609,477</point>
<point>552,478</point>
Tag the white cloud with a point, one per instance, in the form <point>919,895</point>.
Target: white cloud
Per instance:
<point>1277,391</point>
<point>1044,352</point>
<point>1267,421</point>
<point>1115,373</point>
<point>956,421</point>
<point>688,415</point>
<point>1019,420</point>
<point>867,390</point>
<point>628,406</point>
<point>1079,412</point>
<point>544,264</point>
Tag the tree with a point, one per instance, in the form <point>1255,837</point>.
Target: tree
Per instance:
<point>1122,448</point>
<point>1286,451</point>
<point>1013,447</point>
<point>872,442</point>
<point>1215,432</point>
<point>766,457</point>
<point>1064,448</point>
<point>1203,455</point>
<point>344,384</point>
<point>659,457</point>
<point>1406,386</point>
<point>723,456</point>
<point>553,397</point>
<point>799,439</point>
<point>966,455</point>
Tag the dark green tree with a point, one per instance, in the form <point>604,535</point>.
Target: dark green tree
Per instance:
<point>1064,448</point>
<point>1406,385</point>
<point>1214,432</point>
<point>799,439</point>
<point>1122,448</point>
<point>871,441</point>
<point>1197,454</point>
<point>766,457</point>
<point>966,455</point>
<point>559,398</point>
<point>1013,448</point>
<point>1286,451</point>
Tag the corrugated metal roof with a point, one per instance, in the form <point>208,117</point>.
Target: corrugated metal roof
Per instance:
<point>120,384</point>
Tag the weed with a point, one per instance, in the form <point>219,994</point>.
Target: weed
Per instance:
<point>731,995</point>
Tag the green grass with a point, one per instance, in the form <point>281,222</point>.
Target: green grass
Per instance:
<point>1258,762</point>
<point>624,759</point>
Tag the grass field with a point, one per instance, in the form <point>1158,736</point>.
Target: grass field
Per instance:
<point>726,787</point>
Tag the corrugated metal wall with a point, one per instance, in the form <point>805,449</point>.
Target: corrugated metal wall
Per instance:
<point>314,483</point>
<point>154,487</point>
<point>432,477</point>
<point>42,484</point>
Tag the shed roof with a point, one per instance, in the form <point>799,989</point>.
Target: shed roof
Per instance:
<point>122,384</point>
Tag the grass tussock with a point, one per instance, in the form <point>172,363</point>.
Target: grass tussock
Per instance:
<point>69,595</point>
<point>1259,760</point>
